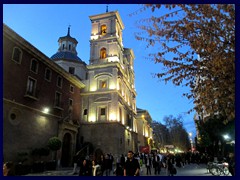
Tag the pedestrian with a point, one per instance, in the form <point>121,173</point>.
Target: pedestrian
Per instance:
<point>169,166</point>
<point>156,164</point>
<point>231,163</point>
<point>122,160</point>
<point>8,169</point>
<point>107,164</point>
<point>102,163</point>
<point>96,169</point>
<point>75,161</point>
<point>148,163</point>
<point>84,169</point>
<point>131,167</point>
<point>119,170</point>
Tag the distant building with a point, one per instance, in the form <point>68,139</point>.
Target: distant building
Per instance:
<point>145,131</point>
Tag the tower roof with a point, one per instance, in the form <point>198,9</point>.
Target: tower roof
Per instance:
<point>65,56</point>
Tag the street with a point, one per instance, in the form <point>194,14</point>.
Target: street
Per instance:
<point>187,170</point>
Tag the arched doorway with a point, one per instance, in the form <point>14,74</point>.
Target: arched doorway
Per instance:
<point>66,150</point>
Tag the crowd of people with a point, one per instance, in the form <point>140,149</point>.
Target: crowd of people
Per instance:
<point>132,164</point>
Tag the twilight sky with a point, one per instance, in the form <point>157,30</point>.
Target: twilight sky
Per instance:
<point>42,25</point>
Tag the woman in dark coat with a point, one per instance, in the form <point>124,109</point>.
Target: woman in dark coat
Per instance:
<point>84,169</point>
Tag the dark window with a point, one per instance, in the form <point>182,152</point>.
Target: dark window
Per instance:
<point>59,81</point>
<point>85,112</point>
<point>69,46</point>
<point>34,66</point>
<point>58,99</point>
<point>48,74</point>
<point>71,88</point>
<point>71,70</point>
<point>63,47</point>
<point>17,55</point>
<point>31,87</point>
<point>103,111</point>
<point>70,102</point>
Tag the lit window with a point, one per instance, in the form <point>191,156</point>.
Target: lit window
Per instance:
<point>102,84</point>
<point>103,30</point>
<point>103,53</point>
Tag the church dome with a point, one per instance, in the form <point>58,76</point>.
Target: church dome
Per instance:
<point>65,56</point>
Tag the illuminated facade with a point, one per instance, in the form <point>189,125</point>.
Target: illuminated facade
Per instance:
<point>145,131</point>
<point>109,99</point>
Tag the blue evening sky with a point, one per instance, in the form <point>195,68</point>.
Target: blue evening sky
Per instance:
<point>42,25</point>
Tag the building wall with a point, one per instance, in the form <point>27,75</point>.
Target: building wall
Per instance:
<point>25,125</point>
<point>28,130</point>
<point>109,137</point>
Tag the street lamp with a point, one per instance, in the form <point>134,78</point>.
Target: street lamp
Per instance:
<point>191,142</point>
<point>226,137</point>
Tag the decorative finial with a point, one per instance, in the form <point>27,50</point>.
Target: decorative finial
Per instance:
<point>68,30</point>
<point>107,8</point>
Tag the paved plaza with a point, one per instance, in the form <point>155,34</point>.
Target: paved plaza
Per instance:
<point>188,170</point>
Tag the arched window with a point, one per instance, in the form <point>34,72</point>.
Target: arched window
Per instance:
<point>17,55</point>
<point>103,53</point>
<point>103,30</point>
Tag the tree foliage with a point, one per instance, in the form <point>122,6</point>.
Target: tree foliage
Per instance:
<point>54,143</point>
<point>171,132</point>
<point>178,134</point>
<point>196,46</point>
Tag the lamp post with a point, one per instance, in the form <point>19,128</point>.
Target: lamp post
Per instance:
<point>191,142</point>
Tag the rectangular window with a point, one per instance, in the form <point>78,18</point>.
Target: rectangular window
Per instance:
<point>58,97</point>
<point>85,112</point>
<point>31,87</point>
<point>70,102</point>
<point>102,111</point>
<point>102,84</point>
<point>71,70</point>
<point>48,74</point>
<point>59,81</point>
<point>71,89</point>
<point>34,66</point>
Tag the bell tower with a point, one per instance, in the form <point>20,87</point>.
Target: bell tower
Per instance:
<point>109,98</point>
<point>106,38</point>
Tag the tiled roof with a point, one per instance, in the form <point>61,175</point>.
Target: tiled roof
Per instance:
<point>65,55</point>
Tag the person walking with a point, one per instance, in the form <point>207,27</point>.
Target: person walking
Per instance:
<point>8,169</point>
<point>131,167</point>
<point>169,166</point>
<point>231,164</point>
<point>96,169</point>
<point>148,163</point>
<point>84,169</point>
